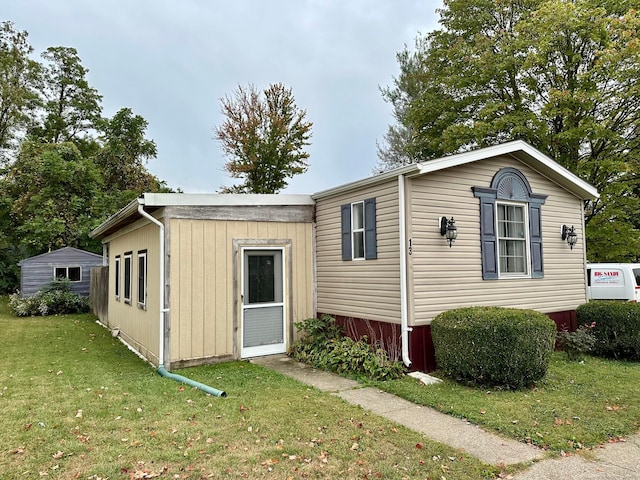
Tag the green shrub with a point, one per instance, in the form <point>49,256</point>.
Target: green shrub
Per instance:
<point>617,327</point>
<point>325,347</point>
<point>56,298</point>
<point>577,344</point>
<point>494,346</point>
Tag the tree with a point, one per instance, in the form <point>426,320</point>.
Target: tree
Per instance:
<point>561,75</point>
<point>71,107</point>
<point>19,81</point>
<point>56,197</point>
<point>264,138</point>
<point>124,154</point>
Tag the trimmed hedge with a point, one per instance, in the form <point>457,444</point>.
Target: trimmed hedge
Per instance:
<point>494,346</point>
<point>617,327</point>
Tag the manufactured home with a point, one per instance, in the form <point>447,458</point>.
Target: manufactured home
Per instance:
<point>200,278</point>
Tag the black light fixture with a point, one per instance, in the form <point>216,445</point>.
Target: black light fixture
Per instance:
<point>448,229</point>
<point>569,234</point>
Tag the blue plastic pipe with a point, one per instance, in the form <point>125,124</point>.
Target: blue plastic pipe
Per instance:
<point>192,383</point>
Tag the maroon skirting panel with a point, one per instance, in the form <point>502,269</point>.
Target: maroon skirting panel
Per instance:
<point>421,352</point>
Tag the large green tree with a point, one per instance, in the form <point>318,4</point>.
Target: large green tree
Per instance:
<point>56,197</point>
<point>123,156</point>
<point>71,107</point>
<point>264,136</point>
<point>19,83</point>
<point>561,75</point>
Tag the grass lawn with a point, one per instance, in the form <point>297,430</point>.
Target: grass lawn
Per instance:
<point>576,406</point>
<point>77,404</point>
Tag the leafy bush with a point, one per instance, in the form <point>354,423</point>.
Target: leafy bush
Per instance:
<point>617,327</point>
<point>324,346</point>
<point>494,346</point>
<point>56,298</point>
<point>577,344</point>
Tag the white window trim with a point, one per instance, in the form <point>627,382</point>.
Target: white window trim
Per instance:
<point>356,230</point>
<point>117,266</point>
<point>126,256</point>
<point>526,240</point>
<point>143,304</point>
<point>67,267</point>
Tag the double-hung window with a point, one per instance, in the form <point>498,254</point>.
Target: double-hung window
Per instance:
<point>142,279</point>
<point>358,229</point>
<point>128,274</point>
<point>512,239</point>
<point>510,227</point>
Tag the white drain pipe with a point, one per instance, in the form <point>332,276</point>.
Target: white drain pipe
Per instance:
<point>404,318</point>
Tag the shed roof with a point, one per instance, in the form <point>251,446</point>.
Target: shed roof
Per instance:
<point>517,149</point>
<point>154,201</point>
<point>64,253</point>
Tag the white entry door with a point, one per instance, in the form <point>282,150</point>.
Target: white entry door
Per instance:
<point>262,298</point>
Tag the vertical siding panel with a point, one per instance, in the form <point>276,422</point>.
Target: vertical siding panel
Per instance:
<point>223,286</point>
<point>185,255</point>
<point>210,265</point>
<point>197,290</point>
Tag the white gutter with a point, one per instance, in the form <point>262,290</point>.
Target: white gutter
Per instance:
<point>163,310</point>
<point>404,321</point>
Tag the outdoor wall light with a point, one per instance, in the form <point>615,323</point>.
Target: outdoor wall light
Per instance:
<point>448,229</point>
<point>569,234</point>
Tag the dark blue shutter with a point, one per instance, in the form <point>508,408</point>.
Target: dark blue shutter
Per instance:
<point>370,247</point>
<point>488,238</point>
<point>535,232</point>
<point>345,212</point>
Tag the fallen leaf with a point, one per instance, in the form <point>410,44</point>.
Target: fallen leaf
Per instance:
<point>79,414</point>
<point>58,455</point>
<point>482,412</point>
<point>419,446</point>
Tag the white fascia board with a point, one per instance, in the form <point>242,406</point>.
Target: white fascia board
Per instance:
<point>525,153</point>
<point>208,199</point>
<point>366,182</point>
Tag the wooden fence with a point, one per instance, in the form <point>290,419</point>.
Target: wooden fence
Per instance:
<point>99,293</point>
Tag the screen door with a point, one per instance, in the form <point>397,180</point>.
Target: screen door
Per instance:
<point>263,329</point>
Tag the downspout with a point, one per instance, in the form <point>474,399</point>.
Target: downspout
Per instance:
<point>404,320</point>
<point>161,370</point>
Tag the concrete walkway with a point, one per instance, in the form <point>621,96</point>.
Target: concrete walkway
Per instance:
<point>620,461</point>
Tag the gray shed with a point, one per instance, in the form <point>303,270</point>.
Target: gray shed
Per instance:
<point>68,262</point>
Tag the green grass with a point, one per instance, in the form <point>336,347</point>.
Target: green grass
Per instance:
<point>576,406</point>
<point>77,404</point>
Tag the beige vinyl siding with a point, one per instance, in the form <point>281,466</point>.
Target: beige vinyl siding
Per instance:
<point>359,288</point>
<point>442,278</point>
<point>205,285</point>
<point>137,326</point>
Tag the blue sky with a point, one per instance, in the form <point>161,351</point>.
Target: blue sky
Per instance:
<point>171,61</point>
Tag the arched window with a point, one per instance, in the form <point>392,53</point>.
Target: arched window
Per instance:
<point>510,227</point>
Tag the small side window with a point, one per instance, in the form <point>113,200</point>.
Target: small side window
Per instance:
<point>142,279</point>
<point>128,274</point>
<point>636,273</point>
<point>117,277</point>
